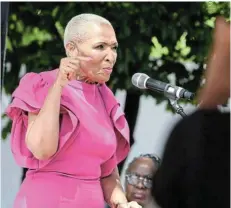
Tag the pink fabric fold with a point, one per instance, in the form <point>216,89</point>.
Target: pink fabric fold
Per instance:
<point>30,96</point>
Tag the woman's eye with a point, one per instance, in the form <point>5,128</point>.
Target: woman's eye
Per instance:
<point>100,47</point>
<point>115,48</point>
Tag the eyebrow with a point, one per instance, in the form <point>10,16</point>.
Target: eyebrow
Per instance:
<point>115,43</point>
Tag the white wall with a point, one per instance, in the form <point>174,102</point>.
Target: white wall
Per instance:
<point>152,128</point>
<point>153,124</point>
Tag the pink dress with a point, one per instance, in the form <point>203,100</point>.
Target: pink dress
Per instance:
<point>94,138</point>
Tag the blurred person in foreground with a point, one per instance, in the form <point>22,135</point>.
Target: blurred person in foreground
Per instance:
<point>68,129</point>
<point>195,169</point>
<point>139,176</point>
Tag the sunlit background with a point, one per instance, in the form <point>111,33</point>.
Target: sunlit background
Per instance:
<point>167,41</point>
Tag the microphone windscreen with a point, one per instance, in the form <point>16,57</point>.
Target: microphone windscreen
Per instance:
<point>139,80</point>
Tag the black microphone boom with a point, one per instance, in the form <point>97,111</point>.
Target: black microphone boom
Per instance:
<point>143,81</point>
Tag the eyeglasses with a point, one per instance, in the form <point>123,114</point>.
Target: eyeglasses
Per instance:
<point>134,179</point>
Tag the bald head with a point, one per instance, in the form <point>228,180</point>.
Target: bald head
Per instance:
<point>143,162</point>
<point>152,160</point>
<point>78,28</point>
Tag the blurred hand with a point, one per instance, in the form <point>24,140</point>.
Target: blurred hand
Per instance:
<point>69,69</point>
<point>216,90</point>
<point>131,204</point>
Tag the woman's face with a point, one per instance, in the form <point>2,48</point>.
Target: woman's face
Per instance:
<point>100,44</point>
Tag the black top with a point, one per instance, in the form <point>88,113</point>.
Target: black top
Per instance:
<point>195,168</point>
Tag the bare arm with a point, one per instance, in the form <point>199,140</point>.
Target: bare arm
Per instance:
<point>112,189</point>
<point>43,129</point>
<point>42,135</point>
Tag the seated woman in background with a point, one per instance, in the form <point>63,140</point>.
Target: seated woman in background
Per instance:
<point>139,179</point>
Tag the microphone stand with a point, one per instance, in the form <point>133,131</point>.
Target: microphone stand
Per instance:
<point>177,107</point>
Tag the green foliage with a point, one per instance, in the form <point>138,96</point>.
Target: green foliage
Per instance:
<point>156,38</point>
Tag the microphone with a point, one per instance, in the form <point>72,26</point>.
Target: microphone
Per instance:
<point>143,81</point>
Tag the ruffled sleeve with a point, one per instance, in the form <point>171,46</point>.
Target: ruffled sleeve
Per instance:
<point>121,130</point>
<point>123,147</point>
<point>29,96</point>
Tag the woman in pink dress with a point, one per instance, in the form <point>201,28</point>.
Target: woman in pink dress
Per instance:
<point>68,129</point>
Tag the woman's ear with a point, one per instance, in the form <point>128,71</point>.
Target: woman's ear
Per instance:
<point>71,50</point>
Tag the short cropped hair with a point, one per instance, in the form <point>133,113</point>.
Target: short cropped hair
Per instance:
<point>76,28</point>
<point>155,159</point>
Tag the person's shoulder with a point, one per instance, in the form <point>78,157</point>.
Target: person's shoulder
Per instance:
<point>203,120</point>
<point>35,77</point>
<point>207,115</point>
<point>50,73</point>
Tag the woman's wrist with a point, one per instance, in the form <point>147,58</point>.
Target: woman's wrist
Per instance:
<point>116,204</point>
<point>119,198</point>
<point>120,203</point>
<point>57,85</point>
